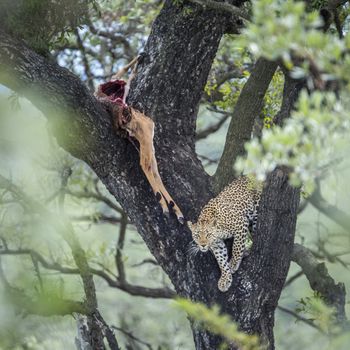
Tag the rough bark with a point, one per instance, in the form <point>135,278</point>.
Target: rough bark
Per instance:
<point>178,57</point>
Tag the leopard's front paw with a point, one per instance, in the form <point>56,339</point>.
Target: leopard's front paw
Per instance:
<point>225,282</point>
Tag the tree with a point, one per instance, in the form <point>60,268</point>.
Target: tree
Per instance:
<point>179,54</point>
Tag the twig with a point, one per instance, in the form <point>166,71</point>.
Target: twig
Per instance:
<point>97,218</point>
<point>146,261</point>
<point>207,159</point>
<point>131,336</point>
<point>97,196</point>
<point>300,318</point>
<point>37,272</point>
<point>334,213</point>
<point>202,134</point>
<point>302,205</point>
<point>293,278</point>
<point>165,293</point>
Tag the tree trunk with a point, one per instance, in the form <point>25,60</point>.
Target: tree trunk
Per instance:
<point>178,57</point>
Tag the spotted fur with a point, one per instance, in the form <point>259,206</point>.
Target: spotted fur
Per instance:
<point>228,215</point>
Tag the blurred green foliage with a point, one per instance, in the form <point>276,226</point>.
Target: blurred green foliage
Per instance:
<point>273,99</point>
<point>318,129</point>
<point>285,30</point>
<point>316,310</point>
<point>212,320</point>
<point>31,158</point>
<point>316,135</point>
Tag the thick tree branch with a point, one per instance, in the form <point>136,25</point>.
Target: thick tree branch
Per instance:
<point>222,7</point>
<point>247,108</point>
<point>272,247</point>
<point>291,92</point>
<point>321,281</point>
<point>182,106</point>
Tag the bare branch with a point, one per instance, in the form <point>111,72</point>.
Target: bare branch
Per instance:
<point>146,261</point>
<point>248,106</point>
<point>219,79</point>
<point>96,196</point>
<point>37,272</point>
<point>293,278</point>
<point>321,281</point>
<point>300,318</point>
<point>332,257</point>
<point>120,245</point>
<point>107,331</point>
<point>131,336</point>
<point>91,329</point>
<point>208,160</point>
<point>125,286</point>
<point>334,213</point>
<point>115,38</point>
<point>97,218</point>
<point>202,134</point>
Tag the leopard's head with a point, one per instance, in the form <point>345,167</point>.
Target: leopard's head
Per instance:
<point>203,233</point>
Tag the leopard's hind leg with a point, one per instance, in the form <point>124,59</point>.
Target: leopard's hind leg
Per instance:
<point>239,244</point>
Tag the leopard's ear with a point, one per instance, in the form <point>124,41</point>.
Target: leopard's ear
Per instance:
<point>190,225</point>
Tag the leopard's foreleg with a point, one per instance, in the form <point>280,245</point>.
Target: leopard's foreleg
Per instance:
<point>220,252</point>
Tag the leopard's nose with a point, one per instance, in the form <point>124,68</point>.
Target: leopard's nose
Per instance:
<point>203,247</point>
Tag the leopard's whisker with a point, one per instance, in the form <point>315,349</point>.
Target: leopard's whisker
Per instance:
<point>193,249</point>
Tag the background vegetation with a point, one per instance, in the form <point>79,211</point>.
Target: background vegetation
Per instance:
<point>37,258</point>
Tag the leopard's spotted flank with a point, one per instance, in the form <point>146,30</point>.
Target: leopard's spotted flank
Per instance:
<point>230,214</point>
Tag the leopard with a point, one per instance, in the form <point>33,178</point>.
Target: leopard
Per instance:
<point>233,214</point>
